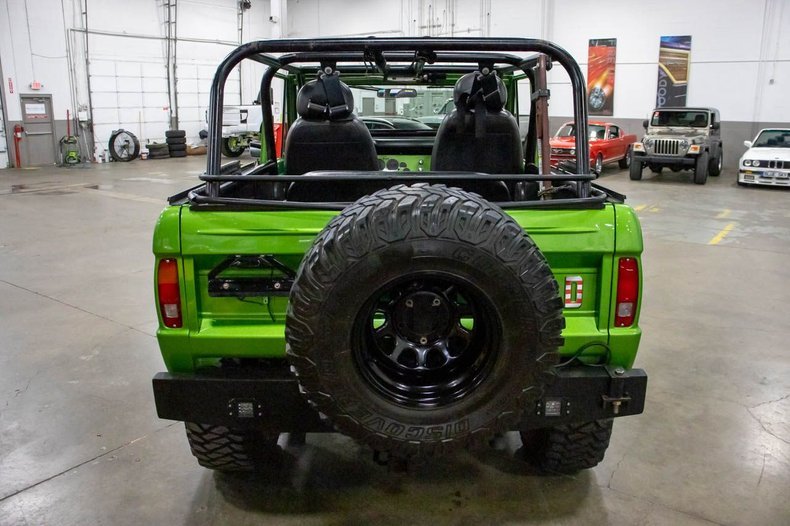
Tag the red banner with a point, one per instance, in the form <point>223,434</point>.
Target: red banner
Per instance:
<point>600,76</point>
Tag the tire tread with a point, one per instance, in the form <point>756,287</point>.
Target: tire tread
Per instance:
<point>420,211</point>
<point>569,448</point>
<point>225,449</point>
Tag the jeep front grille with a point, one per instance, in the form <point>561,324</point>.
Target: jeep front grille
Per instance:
<point>666,147</point>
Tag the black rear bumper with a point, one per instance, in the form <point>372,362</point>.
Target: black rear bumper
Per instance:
<point>271,400</point>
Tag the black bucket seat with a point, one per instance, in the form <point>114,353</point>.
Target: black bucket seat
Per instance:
<point>327,135</point>
<point>479,135</point>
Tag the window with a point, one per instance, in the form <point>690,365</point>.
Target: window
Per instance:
<point>614,132</point>
<point>772,139</point>
<point>686,119</point>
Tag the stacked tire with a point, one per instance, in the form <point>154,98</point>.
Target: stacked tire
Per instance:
<point>158,151</point>
<point>176,143</point>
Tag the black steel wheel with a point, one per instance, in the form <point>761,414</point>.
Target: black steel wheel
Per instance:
<point>123,146</point>
<point>423,320</point>
<point>426,340</point>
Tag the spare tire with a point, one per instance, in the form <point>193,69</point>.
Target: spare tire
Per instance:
<point>422,320</point>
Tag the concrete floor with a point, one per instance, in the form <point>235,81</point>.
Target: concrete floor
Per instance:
<point>80,442</point>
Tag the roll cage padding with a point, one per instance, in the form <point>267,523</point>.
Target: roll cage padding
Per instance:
<point>325,98</point>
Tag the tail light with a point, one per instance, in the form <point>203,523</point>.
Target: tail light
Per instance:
<point>169,295</point>
<point>627,292</point>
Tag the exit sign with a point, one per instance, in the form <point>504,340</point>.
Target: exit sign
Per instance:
<point>35,85</point>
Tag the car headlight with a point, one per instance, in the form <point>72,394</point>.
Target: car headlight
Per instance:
<point>573,151</point>
<point>648,142</point>
<point>684,143</point>
<point>755,163</point>
<point>747,162</point>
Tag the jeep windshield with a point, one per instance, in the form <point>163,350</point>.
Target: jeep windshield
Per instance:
<point>680,119</point>
<point>772,139</point>
<point>410,101</point>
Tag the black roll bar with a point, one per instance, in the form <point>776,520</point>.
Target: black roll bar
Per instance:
<point>262,50</point>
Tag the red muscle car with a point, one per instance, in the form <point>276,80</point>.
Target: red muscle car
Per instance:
<point>608,144</point>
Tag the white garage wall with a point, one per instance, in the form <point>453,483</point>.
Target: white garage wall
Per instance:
<point>725,50</point>
<point>3,142</point>
<point>32,48</point>
<point>127,69</point>
<point>120,64</point>
<point>311,18</point>
<point>738,46</point>
<point>128,82</point>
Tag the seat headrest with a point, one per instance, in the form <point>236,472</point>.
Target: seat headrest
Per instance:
<point>473,86</point>
<point>326,98</point>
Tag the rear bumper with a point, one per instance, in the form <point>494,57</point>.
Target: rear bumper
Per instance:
<point>271,400</point>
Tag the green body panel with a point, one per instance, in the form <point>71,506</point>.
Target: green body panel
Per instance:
<point>167,238</point>
<point>628,243</point>
<point>583,243</point>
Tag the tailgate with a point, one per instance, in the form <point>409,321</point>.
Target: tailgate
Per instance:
<point>579,245</point>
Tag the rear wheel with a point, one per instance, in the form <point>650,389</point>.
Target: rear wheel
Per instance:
<point>625,162</point>
<point>716,163</point>
<point>635,170</point>
<point>232,147</point>
<point>224,449</point>
<point>701,168</point>
<point>567,449</point>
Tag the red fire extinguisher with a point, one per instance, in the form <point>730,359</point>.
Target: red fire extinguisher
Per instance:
<point>18,131</point>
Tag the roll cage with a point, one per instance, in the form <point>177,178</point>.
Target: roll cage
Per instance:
<point>401,60</point>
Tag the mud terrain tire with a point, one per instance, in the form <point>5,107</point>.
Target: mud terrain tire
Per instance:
<point>569,448</point>
<point>374,329</point>
<point>224,449</point>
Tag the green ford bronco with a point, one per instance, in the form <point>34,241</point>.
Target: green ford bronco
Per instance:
<point>419,290</point>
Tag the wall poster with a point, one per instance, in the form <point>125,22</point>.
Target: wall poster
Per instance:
<point>673,71</point>
<point>600,76</point>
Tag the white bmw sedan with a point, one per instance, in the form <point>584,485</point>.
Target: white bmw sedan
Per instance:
<point>767,161</point>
